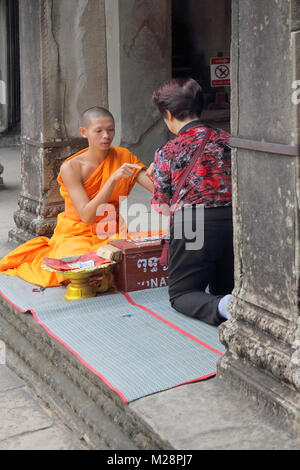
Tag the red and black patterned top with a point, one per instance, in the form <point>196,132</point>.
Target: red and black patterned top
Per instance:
<point>209,182</point>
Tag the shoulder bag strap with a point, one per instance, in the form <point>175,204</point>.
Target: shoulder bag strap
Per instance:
<point>188,170</point>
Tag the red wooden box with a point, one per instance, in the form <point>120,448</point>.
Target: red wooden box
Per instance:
<point>140,267</point>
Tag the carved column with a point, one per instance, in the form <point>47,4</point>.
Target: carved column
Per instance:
<point>138,60</point>
<point>63,72</point>
<point>263,336</point>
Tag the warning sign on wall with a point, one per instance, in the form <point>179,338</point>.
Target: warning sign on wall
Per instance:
<point>220,71</point>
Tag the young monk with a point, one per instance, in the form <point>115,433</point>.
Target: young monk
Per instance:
<point>96,176</point>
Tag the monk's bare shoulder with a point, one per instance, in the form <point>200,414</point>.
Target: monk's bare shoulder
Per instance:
<point>71,169</point>
<point>78,169</point>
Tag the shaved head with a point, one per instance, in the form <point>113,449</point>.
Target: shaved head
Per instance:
<point>94,113</point>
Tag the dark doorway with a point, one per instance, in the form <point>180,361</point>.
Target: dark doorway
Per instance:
<point>10,64</point>
<point>201,30</point>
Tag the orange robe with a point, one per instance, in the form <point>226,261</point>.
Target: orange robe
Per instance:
<point>72,236</point>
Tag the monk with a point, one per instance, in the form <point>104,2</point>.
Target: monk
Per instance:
<point>92,179</point>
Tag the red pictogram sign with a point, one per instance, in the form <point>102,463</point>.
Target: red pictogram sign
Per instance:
<point>220,71</point>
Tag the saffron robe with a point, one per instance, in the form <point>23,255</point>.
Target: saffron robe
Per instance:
<point>72,236</point>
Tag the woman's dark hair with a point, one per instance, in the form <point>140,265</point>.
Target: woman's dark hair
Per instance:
<point>181,96</point>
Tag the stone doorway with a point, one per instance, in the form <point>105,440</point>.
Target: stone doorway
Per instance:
<point>10,109</point>
<point>201,29</point>
<point>9,77</point>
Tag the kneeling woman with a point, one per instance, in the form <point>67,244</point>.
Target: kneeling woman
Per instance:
<point>180,103</point>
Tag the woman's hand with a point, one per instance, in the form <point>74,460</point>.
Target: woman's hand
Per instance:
<point>150,171</point>
<point>125,171</point>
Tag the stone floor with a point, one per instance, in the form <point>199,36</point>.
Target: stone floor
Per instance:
<point>204,415</point>
<point>26,424</point>
<point>10,159</point>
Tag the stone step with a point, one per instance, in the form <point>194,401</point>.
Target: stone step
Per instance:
<point>207,415</point>
<point>84,402</point>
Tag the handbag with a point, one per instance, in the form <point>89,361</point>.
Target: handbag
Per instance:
<point>165,242</point>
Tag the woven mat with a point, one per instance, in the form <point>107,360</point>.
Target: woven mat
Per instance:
<point>136,343</point>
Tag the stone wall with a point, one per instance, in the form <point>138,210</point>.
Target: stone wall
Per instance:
<point>63,72</point>
<point>76,54</point>
<point>139,60</point>
<point>263,335</point>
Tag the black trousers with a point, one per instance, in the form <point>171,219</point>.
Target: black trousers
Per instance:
<point>191,271</point>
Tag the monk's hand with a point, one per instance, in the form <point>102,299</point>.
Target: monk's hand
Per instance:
<point>150,171</point>
<point>125,171</point>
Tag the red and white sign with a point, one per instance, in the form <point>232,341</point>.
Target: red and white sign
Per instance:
<point>220,71</point>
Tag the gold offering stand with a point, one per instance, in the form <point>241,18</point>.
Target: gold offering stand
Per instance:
<point>81,285</point>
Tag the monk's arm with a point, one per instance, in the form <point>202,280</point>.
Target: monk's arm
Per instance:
<point>85,207</point>
<point>145,181</point>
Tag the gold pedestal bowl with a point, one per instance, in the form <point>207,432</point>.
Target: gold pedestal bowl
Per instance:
<point>85,282</point>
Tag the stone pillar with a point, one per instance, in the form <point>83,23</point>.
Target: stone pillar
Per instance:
<point>63,72</point>
<point>138,60</point>
<point>263,336</point>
